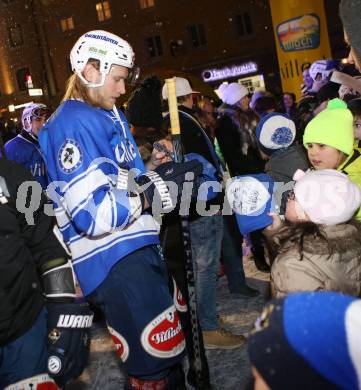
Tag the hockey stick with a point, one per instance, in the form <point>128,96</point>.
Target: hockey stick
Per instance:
<point>177,146</point>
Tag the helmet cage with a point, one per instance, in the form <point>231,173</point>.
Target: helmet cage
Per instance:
<point>36,110</point>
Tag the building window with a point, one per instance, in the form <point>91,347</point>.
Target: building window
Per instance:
<point>103,11</point>
<point>146,3</point>
<point>198,35</point>
<point>23,76</point>
<point>154,45</point>
<point>248,84</point>
<point>67,24</point>
<point>244,24</point>
<point>15,35</point>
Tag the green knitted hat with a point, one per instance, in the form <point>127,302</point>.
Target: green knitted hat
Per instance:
<point>332,127</point>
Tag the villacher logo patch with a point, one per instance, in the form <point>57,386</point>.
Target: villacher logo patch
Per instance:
<point>70,156</point>
<point>163,336</point>
<point>121,345</point>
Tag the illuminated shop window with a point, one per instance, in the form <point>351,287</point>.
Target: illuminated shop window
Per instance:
<point>67,24</point>
<point>146,3</point>
<point>103,11</point>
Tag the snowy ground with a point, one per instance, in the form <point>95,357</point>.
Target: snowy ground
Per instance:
<point>229,369</point>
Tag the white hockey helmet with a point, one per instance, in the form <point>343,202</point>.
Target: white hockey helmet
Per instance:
<point>33,110</point>
<point>323,67</point>
<point>107,48</point>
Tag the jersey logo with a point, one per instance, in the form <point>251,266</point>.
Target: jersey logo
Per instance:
<point>163,336</point>
<point>125,152</point>
<point>70,156</point>
<point>38,382</point>
<point>121,345</point>
<point>37,169</point>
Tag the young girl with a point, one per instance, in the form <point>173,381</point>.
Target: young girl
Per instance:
<point>318,248</point>
<point>329,140</point>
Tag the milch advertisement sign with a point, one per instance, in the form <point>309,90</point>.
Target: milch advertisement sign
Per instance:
<point>301,33</point>
<point>301,36</point>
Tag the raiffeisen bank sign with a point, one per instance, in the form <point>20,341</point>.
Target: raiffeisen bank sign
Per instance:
<point>228,72</point>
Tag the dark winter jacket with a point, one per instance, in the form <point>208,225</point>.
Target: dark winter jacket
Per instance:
<point>284,163</point>
<point>24,247</point>
<point>193,139</point>
<point>235,136</point>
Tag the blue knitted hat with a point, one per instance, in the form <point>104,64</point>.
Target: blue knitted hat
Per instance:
<point>275,131</point>
<point>309,341</point>
<point>251,200</point>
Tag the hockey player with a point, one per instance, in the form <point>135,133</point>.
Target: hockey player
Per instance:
<point>24,148</point>
<point>90,156</point>
<point>36,293</point>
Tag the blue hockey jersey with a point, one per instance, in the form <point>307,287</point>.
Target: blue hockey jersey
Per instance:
<point>24,149</point>
<point>85,149</point>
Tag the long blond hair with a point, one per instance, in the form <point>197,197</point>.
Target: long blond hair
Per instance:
<point>76,89</point>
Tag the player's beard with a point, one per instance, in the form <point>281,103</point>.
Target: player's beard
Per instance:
<point>99,100</point>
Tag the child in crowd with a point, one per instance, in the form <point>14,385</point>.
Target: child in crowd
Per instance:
<point>354,106</point>
<point>264,105</point>
<point>276,134</point>
<point>318,248</point>
<point>329,140</point>
<point>307,341</point>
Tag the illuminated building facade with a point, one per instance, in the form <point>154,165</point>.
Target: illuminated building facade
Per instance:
<point>230,40</point>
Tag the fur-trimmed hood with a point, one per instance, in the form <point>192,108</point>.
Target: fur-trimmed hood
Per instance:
<point>330,260</point>
<point>338,238</point>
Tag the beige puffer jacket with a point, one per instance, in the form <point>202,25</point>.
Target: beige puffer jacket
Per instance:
<point>318,270</point>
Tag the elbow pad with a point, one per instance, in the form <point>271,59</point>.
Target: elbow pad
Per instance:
<point>59,282</point>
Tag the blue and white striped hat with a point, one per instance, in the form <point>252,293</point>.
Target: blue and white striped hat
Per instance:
<point>275,131</point>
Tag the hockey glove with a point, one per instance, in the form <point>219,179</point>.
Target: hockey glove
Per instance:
<point>68,340</point>
<point>158,188</point>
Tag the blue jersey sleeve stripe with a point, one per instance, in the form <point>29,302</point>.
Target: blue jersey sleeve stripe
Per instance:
<point>87,244</point>
<point>124,237</point>
<point>80,191</point>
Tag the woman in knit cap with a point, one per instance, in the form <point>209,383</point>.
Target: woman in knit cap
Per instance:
<point>235,131</point>
<point>236,138</point>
